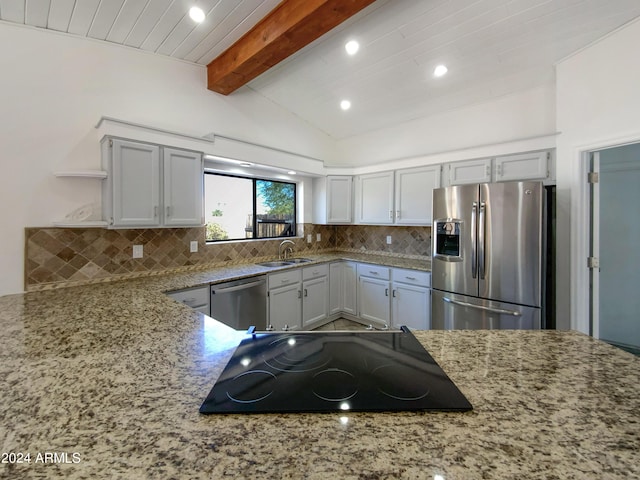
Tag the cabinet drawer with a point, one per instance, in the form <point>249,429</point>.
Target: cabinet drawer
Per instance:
<point>413,277</point>
<point>315,271</point>
<point>284,278</point>
<point>193,297</point>
<point>374,271</point>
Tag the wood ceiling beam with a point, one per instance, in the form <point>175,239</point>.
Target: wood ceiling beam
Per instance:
<point>289,27</point>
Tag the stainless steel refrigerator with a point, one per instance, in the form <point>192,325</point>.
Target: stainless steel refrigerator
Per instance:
<point>487,258</point>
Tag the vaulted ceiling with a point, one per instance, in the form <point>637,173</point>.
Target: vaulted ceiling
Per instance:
<point>492,48</point>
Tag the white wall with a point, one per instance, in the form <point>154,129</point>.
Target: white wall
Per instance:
<point>511,119</point>
<point>598,100</point>
<point>53,90</point>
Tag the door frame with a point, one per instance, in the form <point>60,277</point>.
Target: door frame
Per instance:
<point>582,302</point>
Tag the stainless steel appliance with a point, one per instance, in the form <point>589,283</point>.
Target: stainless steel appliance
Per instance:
<point>332,372</point>
<point>487,262</point>
<point>241,303</point>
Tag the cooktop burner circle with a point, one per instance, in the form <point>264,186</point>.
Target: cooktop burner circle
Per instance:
<point>398,381</point>
<point>334,385</point>
<point>296,353</point>
<point>251,386</point>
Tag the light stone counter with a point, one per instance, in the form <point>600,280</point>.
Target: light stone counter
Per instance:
<point>111,376</point>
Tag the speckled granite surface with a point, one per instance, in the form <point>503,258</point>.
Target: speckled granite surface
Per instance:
<point>111,377</point>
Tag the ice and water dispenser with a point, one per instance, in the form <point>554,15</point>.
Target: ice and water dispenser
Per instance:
<point>448,241</point>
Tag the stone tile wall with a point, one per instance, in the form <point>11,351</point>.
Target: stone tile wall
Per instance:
<point>79,255</point>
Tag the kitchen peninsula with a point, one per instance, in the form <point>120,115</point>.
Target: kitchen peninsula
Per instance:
<point>108,379</point>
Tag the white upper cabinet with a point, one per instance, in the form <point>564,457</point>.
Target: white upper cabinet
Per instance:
<point>414,194</point>
<point>469,171</point>
<point>525,166</point>
<point>151,186</point>
<point>375,198</point>
<point>401,197</point>
<point>333,199</point>
<point>183,188</point>
<point>132,190</point>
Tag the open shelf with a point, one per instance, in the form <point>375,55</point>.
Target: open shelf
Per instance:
<point>83,173</point>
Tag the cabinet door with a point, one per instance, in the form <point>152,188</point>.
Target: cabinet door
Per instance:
<point>339,199</point>
<point>349,290</point>
<point>183,188</point>
<point>134,184</point>
<point>285,307</point>
<point>314,300</point>
<point>375,198</point>
<point>470,171</point>
<point>335,287</point>
<point>374,299</point>
<point>414,194</point>
<point>411,306</point>
<point>526,166</point>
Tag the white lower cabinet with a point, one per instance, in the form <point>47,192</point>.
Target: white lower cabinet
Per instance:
<point>285,300</point>
<point>196,298</point>
<point>343,285</point>
<point>373,294</point>
<point>382,296</point>
<point>411,299</point>
<point>298,298</point>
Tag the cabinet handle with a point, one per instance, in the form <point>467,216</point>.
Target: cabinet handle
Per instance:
<point>397,213</point>
<point>299,294</point>
<point>393,293</point>
<point>306,293</point>
<point>168,211</point>
<point>155,211</point>
<point>386,292</point>
<point>373,273</point>
<point>390,214</point>
<point>410,278</point>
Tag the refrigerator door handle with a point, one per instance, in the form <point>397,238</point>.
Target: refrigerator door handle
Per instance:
<point>481,240</point>
<point>474,246</point>
<point>513,313</point>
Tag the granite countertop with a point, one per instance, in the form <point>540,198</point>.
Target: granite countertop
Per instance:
<point>105,381</point>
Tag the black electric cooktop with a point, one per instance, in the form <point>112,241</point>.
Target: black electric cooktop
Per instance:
<point>332,372</point>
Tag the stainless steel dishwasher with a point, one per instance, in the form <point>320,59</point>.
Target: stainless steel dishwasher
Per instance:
<point>241,303</point>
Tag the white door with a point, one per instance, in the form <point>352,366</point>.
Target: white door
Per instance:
<point>470,171</point>
<point>375,305</point>
<point>314,300</point>
<point>375,198</point>
<point>615,256</point>
<point>414,194</point>
<point>411,306</point>
<point>183,188</point>
<point>335,288</point>
<point>524,166</point>
<point>285,307</point>
<point>339,199</point>
<point>135,184</point>
<point>349,288</point>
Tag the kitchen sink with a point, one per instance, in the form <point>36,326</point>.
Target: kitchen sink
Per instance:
<point>298,260</point>
<point>276,263</point>
<point>284,263</point>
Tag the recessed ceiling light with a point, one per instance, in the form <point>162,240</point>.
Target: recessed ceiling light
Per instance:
<point>352,47</point>
<point>196,14</point>
<point>345,104</point>
<point>440,70</point>
<point>291,172</point>
<point>246,164</point>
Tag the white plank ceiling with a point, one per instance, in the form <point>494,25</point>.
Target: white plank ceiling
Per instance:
<point>491,47</point>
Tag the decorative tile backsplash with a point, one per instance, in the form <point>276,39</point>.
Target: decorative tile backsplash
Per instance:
<point>79,255</point>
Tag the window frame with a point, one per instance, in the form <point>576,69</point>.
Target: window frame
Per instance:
<point>254,223</point>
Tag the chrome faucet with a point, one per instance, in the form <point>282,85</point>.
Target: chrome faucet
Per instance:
<point>285,248</point>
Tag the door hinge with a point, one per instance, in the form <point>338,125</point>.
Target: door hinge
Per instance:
<point>593,177</point>
<point>593,262</point>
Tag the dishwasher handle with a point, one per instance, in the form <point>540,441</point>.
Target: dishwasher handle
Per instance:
<point>235,288</point>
